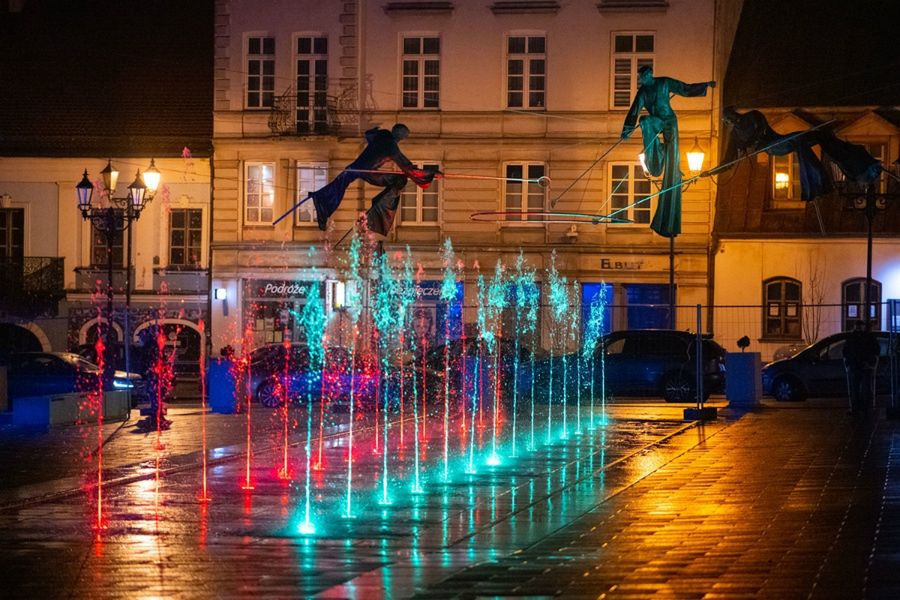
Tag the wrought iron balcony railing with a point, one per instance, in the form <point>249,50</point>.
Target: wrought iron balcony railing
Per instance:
<point>308,113</point>
<point>32,285</point>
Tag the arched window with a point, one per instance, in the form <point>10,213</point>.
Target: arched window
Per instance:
<point>853,302</point>
<point>782,308</point>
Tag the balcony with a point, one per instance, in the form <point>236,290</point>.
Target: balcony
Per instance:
<point>181,281</point>
<point>32,285</point>
<point>294,114</point>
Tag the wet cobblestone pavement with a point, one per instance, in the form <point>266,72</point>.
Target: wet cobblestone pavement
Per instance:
<point>796,501</point>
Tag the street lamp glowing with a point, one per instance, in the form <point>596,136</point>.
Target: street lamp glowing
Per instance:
<point>83,193</point>
<point>695,157</point>
<point>151,178</point>
<point>110,177</point>
<point>136,192</point>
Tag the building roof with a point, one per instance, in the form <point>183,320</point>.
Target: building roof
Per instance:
<point>815,53</point>
<point>106,78</point>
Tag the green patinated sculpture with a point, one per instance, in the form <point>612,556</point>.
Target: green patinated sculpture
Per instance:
<point>661,155</point>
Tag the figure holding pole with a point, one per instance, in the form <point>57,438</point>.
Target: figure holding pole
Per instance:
<point>381,147</point>
<point>662,156</point>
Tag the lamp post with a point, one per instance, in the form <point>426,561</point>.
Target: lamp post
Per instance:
<point>111,220</point>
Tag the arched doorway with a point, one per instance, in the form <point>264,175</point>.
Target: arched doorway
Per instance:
<point>16,338</point>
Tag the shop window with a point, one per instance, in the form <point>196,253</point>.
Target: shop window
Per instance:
<point>853,302</point>
<point>648,305</point>
<point>782,307</point>
<point>631,51</point>
<point>595,293</point>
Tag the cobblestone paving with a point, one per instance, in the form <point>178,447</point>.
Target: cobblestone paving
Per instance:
<point>160,541</point>
<point>782,504</point>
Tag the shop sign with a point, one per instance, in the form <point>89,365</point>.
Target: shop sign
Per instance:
<point>267,288</point>
<point>620,264</point>
<point>430,291</point>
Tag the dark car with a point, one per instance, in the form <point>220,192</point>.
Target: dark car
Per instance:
<point>478,356</point>
<point>659,362</point>
<point>818,370</point>
<point>274,365</point>
<point>51,373</point>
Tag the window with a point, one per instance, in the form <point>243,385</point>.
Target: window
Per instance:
<point>310,177</point>
<point>521,195</point>
<point>629,187</point>
<point>12,233</point>
<point>648,305</point>
<point>99,255</point>
<point>602,295</point>
<point>260,72</point>
<point>853,302</point>
<point>781,308</point>
<point>418,205</point>
<point>878,151</point>
<point>312,84</point>
<point>631,51</point>
<point>526,71</point>
<point>786,182</point>
<point>259,198</point>
<point>421,72</point>
<point>185,235</point>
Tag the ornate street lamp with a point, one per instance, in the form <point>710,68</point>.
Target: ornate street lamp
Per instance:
<point>112,219</point>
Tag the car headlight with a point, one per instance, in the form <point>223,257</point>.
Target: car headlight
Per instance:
<point>122,384</point>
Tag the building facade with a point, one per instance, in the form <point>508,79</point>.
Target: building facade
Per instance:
<point>126,113</point>
<point>504,90</point>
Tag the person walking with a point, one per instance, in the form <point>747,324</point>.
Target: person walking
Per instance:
<point>861,352</point>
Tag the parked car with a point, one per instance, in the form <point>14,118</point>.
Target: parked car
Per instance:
<point>53,373</point>
<point>273,365</point>
<point>142,359</point>
<point>659,362</point>
<point>818,370</point>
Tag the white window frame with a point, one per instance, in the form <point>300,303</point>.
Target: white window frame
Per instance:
<point>420,59</point>
<point>527,191</point>
<point>529,59</point>
<point>266,189</point>
<point>261,62</point>
<point>312,115</point>
<point>417,195</point>
<point>636,186</point>
<point>629,61</point>
<point>186,265</point>
<point>309,177</point>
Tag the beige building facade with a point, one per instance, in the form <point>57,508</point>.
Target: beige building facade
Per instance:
<point>500,90</point>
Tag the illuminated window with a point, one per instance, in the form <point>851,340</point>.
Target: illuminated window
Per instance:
<point>421,72</point>
<point>526,71</point>
<point>522,196</point>
<point>310,177</point>
<point>853,302</point>
<point>185,237</point>
<point>260,72</point>
<point>786,182</point>
<point>629,187</point>
<point>418,206</point>
<point>259,193</point>
<point>631,51</point>
<point>782,306</point>
<point>312,84</point>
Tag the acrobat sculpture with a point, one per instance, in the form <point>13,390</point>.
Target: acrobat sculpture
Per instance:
<point>661,155</point>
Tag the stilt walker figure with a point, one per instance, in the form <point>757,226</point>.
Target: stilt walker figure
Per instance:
<point>662,154</point>
<point>381,147</point>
